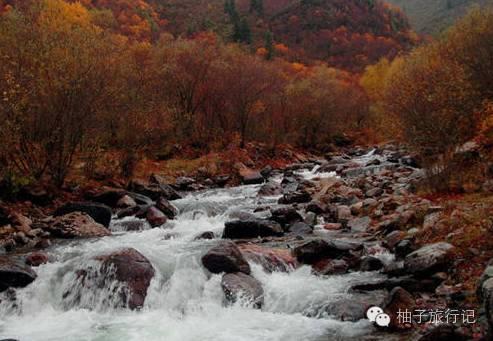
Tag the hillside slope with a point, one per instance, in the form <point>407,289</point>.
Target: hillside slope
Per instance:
<point>433,16</point>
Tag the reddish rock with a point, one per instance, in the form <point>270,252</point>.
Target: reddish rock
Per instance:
<point>333,226</point>
<point>74,225</point>
<point>225,257</point>
<point>131,268</point>
<point>399,299</point>
<point>37,258</point>
<point>155,217</point>
<point>271,259</point>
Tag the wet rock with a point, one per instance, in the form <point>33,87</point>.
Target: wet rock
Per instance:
<point>407,282</point>
<point>403,248</point>
<point>251,228</point>
<point>99,212</point>
<point>487,302</point>
<point>410,161</point>
<point>167,208</point>
<point>134,210</point>
<point>184,183</point>
<point>109,197</point>
<point>354,307</point>
<point>270,189</point>
<point>131,268</point>
<point>225,257</point>
<point>14,274</point>
<point>443,332</point>
<point>74,225</point>
<point>486,275</point>
<point>285,215</point>
<point>132,225</point>
<point>393,238</point>
<point>300,228</point>
<point>126,201</point>
<point>37,258</point>
<point>316,207</point>
<point>221,180</point>
<point>295,197</point>
<point>154,190</point>
<point>250,177</point>
<point>371,264</point>
<point>155,217</point>
<point>242,287</point>
<point>271,259</point>
<point>205,235</point>
<point>266,171</point>
<point>334,267</point>
<point>317,249</point>
<point>359,224</point>
<point>399,300</point>
<point>141,199</point>
<point>429,258</point>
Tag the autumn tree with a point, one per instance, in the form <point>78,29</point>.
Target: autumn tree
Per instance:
<point>58,81</point>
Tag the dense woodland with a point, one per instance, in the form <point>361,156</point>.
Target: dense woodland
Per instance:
<point>84,79</point>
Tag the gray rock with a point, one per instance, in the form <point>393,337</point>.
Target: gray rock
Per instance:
<point>285,215</point>
<point>225,257</point>
<point>370,263</point>
<point>251,228</point>
<point>14,274</point>
<point>429,258</point>
<point>243,287</point>
<point>300,228</point>
<point>359,224</point>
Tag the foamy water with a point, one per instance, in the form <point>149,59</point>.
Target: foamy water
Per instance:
<point>184,302</point>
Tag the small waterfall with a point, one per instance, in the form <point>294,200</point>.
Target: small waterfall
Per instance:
<point>183,303</point>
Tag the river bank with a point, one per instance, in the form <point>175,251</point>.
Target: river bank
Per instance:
<point>297,252</point>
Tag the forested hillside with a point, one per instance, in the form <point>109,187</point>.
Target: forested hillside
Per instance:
<point>433,16</point>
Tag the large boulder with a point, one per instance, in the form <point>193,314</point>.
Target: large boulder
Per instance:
<point>167,208</point>
<point>76,224</point>
<point>251,228</point>
<point>244,288</point>
<point>399,300</point>
<point>14,274</point>
<point>271,259</point>
<point>317,249</point>
<point>97,211</point>
<point>225,257</point>
<point>285,215</point>
<point>155,217</point>
<point>429,258</point>
<point>130,268</point>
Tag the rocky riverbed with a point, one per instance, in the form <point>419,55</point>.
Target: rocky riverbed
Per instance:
<point>298,253</point>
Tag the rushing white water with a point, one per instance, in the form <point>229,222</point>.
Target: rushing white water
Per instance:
<point>184,302</point>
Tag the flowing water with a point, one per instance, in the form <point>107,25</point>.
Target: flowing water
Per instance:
<point>184,302</point>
